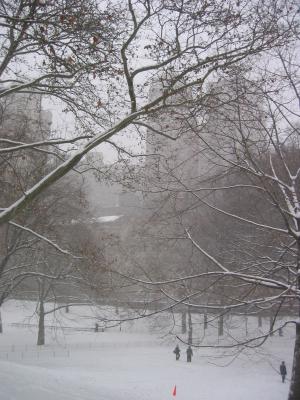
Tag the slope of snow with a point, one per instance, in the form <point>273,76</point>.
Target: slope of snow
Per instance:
<point>123,365</point>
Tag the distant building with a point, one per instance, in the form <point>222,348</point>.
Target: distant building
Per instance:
<point>173,150</point>
<point>23,118</point>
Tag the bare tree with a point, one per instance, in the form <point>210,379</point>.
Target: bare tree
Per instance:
<point>187,43</point>
<point>101,72</point>
<point>250,136</point>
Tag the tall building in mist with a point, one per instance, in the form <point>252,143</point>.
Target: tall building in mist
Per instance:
<point>22,120</point>
<point>192,142</point>
<point>208,141</point>
<point>23,117</point>
<point>170,144</point>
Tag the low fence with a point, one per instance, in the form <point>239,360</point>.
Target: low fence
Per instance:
<point>56,327</point>
<point>19,352</point>
<point>33,354</point>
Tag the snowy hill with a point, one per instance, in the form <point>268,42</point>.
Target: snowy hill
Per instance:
<point>135,363</point>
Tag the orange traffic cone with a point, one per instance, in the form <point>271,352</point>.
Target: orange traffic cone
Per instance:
<point>174,391</point>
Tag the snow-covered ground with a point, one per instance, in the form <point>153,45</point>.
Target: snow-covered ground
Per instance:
<point>130,364</point>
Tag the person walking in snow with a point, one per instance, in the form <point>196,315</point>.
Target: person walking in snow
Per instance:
<point>189,353</point>
<point>282,369</point>
<point>177,352</point>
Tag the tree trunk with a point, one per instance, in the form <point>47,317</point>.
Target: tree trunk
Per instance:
<point>183,322</point>
<point>259,321</point>
<point>221,326</point>
<point>271,325</point>
<point>190,332</point>
<point>205,320</point>
<point>41,332</point>
<point>294,393</point>
<point>1,327</point>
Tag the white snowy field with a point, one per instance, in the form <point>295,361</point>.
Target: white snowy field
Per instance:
<point>130,364</point>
